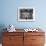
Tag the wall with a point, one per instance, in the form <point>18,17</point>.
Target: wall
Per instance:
<point>8,13</point>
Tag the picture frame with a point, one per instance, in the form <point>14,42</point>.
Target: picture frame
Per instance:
<point>26,14</point>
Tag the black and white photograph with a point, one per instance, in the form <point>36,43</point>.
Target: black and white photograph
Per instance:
<point>26,14</point>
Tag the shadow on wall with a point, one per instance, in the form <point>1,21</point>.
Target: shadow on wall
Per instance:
<point>2,26</point>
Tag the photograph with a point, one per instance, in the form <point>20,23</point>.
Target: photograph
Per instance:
<point>26,14</point>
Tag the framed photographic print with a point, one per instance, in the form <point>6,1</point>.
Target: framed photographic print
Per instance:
<point>26,14</point>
